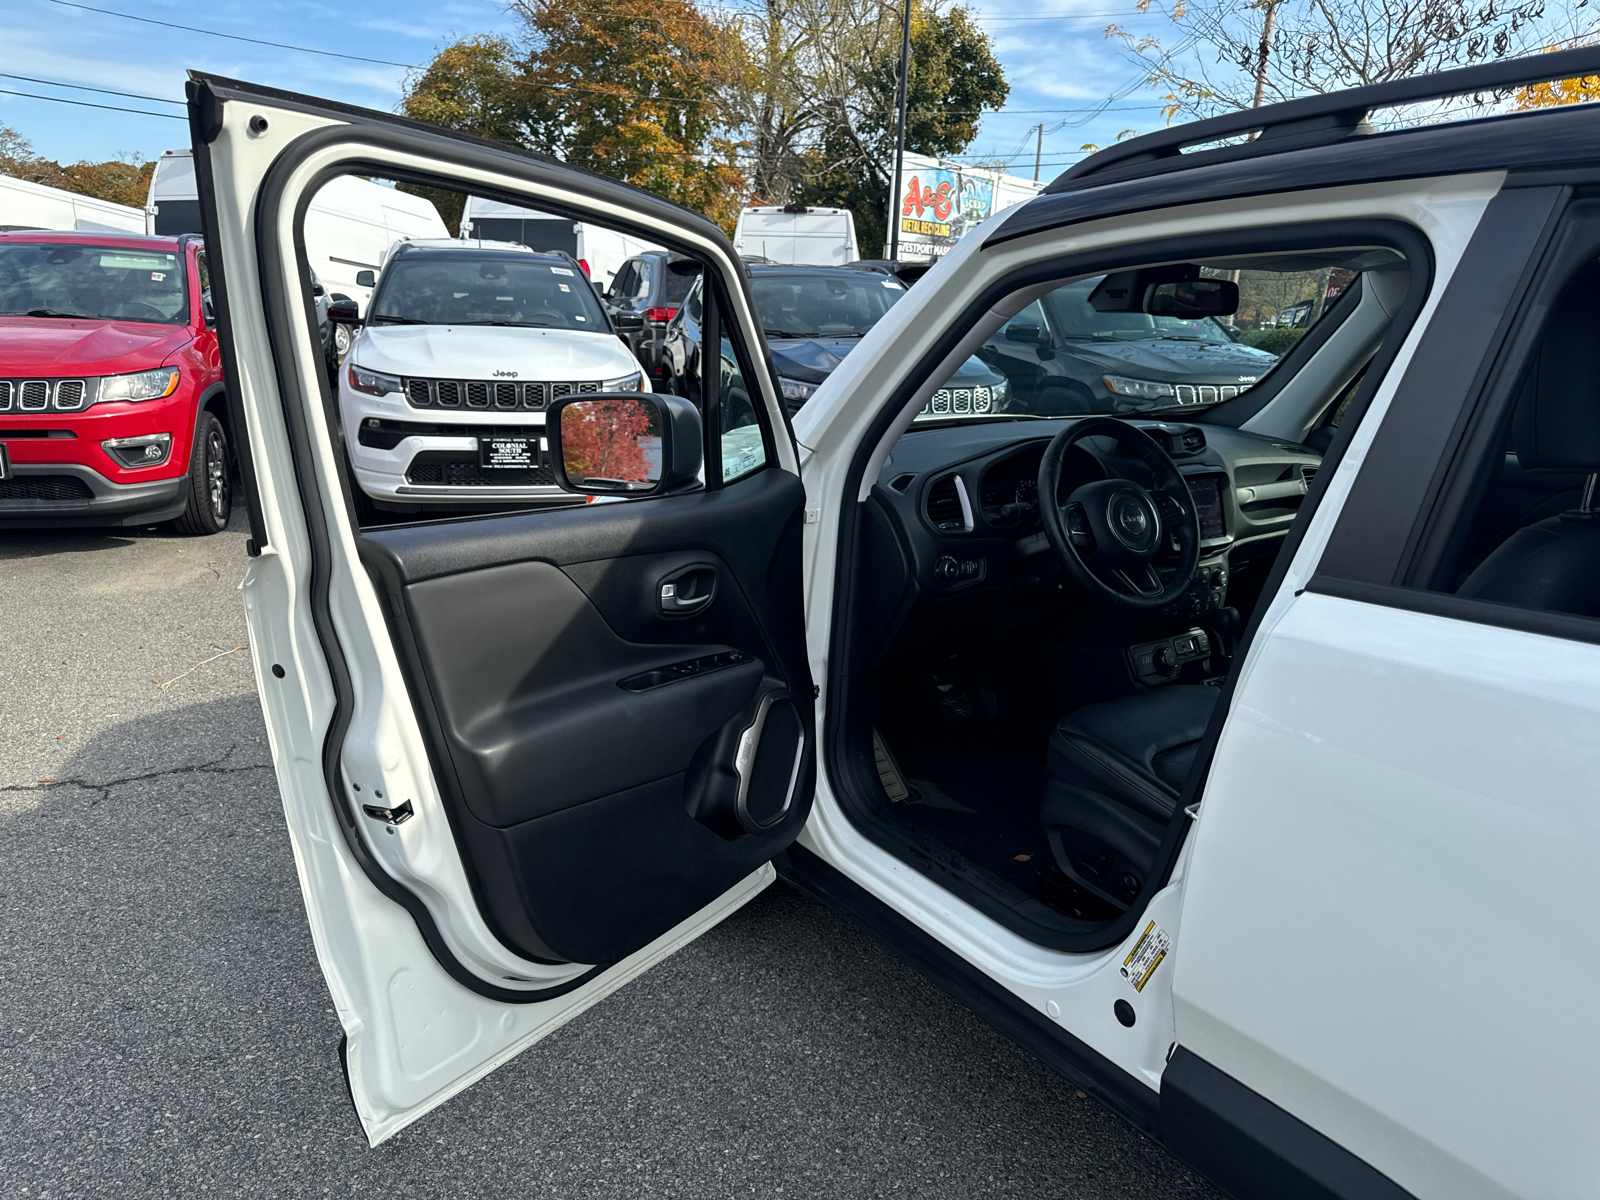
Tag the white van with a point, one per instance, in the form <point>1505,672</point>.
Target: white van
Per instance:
<point>27,205</point>
<point>599,251</point>
<point>350,225</point>
<point>795,235</point>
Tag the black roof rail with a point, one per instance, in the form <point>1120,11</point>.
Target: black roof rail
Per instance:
<point>185,238</point>
<point>1313,120</point>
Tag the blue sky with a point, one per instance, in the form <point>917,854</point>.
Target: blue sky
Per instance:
<point>1056,57</point>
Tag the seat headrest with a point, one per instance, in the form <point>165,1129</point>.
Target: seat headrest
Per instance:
<point>1556,426</point>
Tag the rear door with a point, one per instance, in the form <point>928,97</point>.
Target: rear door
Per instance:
<point>524,752</point>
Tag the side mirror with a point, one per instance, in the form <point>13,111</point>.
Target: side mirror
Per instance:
<point>626,443</point>
<point>1027,332</point>
<point>366,279</point>
<point>344,312</point>
<point>627,322</point>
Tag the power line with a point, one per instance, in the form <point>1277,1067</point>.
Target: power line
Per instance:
<point>234,37</point>
<point>85,104</point>
<point>83,87</point>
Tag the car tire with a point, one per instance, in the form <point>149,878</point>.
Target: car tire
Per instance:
<point>209,485</point>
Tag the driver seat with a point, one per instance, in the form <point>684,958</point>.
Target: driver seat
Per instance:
<point>1116,770</point>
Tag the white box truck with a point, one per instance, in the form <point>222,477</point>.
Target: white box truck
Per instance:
<point>28,205</point>
<point>349,226</point>
<point>796,235</point>
<point>599,251</point>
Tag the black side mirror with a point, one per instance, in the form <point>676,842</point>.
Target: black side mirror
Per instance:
<point>627,443</point>
<point>344,312</point>
<point>1027,332</point>
<point>627,322</point>
<point>366,279</point>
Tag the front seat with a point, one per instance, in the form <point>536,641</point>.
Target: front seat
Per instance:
<point>1116,770</point>
<point>1554,565</point>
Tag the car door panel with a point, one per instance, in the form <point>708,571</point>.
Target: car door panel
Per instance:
<point>601,808</point>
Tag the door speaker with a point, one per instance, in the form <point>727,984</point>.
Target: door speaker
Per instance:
<point>768,762</point>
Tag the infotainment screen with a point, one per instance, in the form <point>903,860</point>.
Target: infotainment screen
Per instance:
<point>1208,499</point>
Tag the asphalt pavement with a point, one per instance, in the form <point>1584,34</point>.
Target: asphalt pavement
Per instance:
<point>164,1030</point>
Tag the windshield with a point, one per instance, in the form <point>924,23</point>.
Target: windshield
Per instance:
<point>66,279</point>
<point>1076,319</point>
<point>814,304</point>
<point>468,288</point>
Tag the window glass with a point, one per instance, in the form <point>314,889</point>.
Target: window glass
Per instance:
<point>204,272</point>
<point>1064,356</point>
<point>821,303</point>
<point>484,287</point>
<point>743,450</point>
<point>622,284</point>
<point>675,287</point>
<point>641,288</point>
<point>70,279</point>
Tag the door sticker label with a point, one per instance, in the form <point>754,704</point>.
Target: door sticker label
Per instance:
<point>1147,953</point>
<point>561,270</point>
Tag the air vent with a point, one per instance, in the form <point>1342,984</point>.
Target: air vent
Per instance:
<point>901,482</point>
<point>945,506</point>
<point>1308,474</point>
<point>1193,440</point>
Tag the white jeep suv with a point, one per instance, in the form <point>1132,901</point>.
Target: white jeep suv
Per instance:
<point>442,395</point>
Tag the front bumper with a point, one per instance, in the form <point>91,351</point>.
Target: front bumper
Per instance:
<point>70,494</point>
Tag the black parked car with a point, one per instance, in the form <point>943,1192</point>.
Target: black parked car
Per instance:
<point>643,298</point>
<point>1063,358</point>
<point>813,317</point>
<point>906,273</point>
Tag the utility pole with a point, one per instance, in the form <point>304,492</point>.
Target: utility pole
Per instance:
<point>900,135</point>
<point>1270,7</point>
<point>1038,152</point>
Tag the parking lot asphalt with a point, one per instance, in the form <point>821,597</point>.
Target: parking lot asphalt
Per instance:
<point>164,1030</point>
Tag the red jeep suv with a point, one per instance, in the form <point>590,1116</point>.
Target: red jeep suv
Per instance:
<point>111,395</point>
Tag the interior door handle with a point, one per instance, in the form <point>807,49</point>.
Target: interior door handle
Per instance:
<point>687,590</point>
<point>671,602</point>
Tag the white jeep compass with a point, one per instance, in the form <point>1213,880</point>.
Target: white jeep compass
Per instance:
<point>443,393</point>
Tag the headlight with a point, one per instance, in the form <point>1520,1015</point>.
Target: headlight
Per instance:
<point>146,450</point>
<point>142,385</point>
<point>373,383</point>
<point>628,383</point>
<point>1140,389</point>
<point>794,389</point>
<point>998,393</point>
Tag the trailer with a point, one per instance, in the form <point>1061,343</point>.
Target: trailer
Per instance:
<point>28,205</point>
<point>350,224</point>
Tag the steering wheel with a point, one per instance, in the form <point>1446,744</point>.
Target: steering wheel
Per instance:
<point>1109,532</point>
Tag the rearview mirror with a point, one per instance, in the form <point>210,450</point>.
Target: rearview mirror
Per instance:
<point>631,443</point>
<point>1191,298</point>
<point>344,312</point>
<point>366,279</point>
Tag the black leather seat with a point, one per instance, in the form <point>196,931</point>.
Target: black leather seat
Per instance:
<point>1116,770</point>
<point>1554,565</point>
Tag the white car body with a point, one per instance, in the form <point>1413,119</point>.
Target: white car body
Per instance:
<point>815,237</point>
<point>350,224</point>
<point>1378,924</point>
<point>28,205</point>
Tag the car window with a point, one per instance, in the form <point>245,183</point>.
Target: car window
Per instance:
<point>468,287</point>
<point>1061,356</point>
<point>812,304</point>
<point>622,283</point>
<point>204,273</point>
<point>674,287</point>
<point>743,450</point>
<point>691,302</point>
<point>641,289</point>
<point>70,279</point>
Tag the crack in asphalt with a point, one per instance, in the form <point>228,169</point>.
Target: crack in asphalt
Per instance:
<point>102,790</point>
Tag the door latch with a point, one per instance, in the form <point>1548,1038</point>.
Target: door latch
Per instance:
<point>398,815</point>
<point>687,591</point>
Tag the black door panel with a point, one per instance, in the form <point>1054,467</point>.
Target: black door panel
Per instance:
<point>585,737</point>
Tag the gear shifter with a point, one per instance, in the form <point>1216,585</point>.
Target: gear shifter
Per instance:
<point>1225,626</point>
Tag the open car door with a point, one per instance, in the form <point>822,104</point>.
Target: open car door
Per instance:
<point>524,754</point>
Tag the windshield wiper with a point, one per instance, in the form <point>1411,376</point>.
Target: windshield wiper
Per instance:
<point>398,321</point>
<point>513,324</point>
<point>786,333</point>
<point>50,312</point>
<point>1186,337</point>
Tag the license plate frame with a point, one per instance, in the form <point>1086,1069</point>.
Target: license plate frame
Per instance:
<point>513,453</point>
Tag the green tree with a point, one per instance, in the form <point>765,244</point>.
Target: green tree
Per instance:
<point>472,86</point>
<point>124,180</point>
<point>954,79</point>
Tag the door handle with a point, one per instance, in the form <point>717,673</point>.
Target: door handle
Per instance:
<point>687,591</point>
<point>671,602</point>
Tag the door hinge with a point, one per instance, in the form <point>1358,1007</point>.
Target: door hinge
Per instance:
<point>398,815</point>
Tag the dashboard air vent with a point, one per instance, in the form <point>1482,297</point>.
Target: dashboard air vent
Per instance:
<point>945,509</point>
<point>1193,440</point>
<point>901,482</point>
<point>1308,474</point>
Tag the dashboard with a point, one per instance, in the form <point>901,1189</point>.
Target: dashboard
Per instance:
<point>963,501</point>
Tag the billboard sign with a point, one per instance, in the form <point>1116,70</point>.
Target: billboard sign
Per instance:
<point>940,201</point>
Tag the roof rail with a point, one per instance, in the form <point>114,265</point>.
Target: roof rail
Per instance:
<point>1314,120</point>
